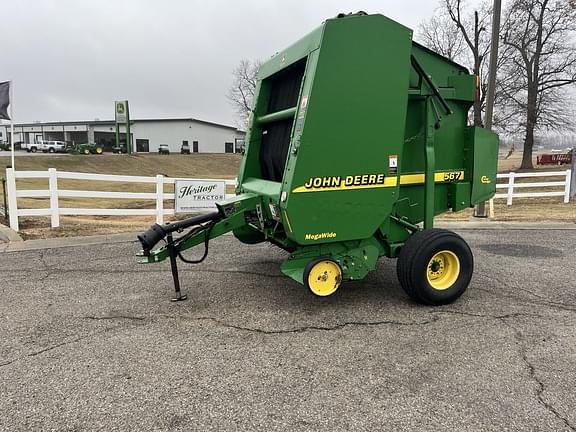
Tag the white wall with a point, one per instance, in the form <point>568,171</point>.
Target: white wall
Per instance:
<point>210,138</point>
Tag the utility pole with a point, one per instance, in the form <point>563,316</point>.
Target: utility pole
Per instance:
<point>480,210</point>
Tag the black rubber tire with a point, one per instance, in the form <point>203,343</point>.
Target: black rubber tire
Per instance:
<point>33,149</point>
<point>51,150</point>
<point>413,260</point>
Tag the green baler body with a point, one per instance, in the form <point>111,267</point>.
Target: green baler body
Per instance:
<point>357,135</point>
<point>341,116</point>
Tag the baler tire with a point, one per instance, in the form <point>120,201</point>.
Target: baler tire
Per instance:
<point>451,256</point>
<point>330,265</point>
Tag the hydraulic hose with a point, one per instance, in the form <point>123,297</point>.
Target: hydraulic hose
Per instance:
<point>156,232</point>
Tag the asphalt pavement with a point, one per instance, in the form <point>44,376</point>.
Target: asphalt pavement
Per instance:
<point>89,340</point>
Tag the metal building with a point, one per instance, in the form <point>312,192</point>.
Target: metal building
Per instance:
<point>146,134</point>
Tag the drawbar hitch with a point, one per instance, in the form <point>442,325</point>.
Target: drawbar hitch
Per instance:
<point>156,233</point>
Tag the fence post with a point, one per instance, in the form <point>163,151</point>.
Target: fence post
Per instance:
<point>573,174</point>
<point>12,202</point>
<point>510,188</point>
<point>160,199</point>
<point>53,187</point>
<point>5,199</point>
<point>491,208</point>
<point>567,187</point>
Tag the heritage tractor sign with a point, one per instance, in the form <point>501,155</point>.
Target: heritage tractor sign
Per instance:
<point>193,195</point>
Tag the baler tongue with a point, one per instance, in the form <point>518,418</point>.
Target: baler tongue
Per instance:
<point>230,215</point>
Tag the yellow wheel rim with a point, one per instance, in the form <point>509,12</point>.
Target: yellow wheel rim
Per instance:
<point>443,270</point>
<point>324,278</point>
<point>99,150</point>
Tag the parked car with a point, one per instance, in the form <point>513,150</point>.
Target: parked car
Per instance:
<point>119,149</point>
<point>32,147</point>
<point>45,147</point>
<point>54,146</point>
<point>163,149</point>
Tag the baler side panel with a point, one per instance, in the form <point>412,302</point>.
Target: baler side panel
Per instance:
<point>483,146</point>
<point>354,123</point>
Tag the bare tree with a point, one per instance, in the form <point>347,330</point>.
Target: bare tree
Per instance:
<point>241,92</point>
<point>441,35</point>
<point>463,37</point>
<point>540,62</point>
<point>475,31</point>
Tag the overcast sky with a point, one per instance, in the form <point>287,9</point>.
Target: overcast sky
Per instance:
<point>70,59</point>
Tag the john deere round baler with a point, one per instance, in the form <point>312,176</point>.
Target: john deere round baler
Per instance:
<point>358,137</point>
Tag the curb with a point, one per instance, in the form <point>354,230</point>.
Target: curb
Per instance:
<point>490,225</point>
<point>63,242</point>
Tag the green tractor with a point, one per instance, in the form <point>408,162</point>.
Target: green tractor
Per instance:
<point>87,148</point>
<point>358,138</point>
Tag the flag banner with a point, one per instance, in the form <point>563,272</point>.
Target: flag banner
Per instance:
<point>4,99</point>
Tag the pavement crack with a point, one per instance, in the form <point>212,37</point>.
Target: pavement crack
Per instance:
<point>55,346</point>
<point>498,317</point>
<point>318,328</point>
<point>45,267</point>
<point>540,386</point>
<point>114,317</point>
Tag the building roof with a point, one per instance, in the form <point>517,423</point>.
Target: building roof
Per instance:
<point>112,122</point>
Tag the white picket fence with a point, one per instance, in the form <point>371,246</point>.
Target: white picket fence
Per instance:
<point>512,185</point>
<point>54,193</point>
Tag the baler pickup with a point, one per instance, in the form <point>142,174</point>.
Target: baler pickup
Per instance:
<point>358,137</point>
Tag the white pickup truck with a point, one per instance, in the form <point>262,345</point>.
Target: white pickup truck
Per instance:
<point>46,147</point>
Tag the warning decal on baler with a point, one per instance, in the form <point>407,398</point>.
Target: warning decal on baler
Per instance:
<point>373,181</point>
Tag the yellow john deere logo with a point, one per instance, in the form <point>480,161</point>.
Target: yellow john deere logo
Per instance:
<point>120,108</point>
<point>485,180</point>
<point>373,181</point>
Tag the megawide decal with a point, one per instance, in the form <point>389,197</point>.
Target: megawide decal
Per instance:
<point>485,180</point>
<point>320,236</point>
<point>373,181</point>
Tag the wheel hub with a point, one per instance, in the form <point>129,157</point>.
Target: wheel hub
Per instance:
<point>443,270</point>
<point>324,278</point>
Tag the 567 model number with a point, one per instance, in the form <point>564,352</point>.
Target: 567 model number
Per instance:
<point>453,176</point>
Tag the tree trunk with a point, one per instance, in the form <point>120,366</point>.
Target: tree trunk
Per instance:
<point>478,101</point>
<point>478,113</point>
<point>530,125</point>
<point>528,146</point>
